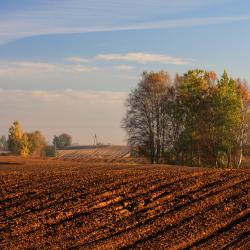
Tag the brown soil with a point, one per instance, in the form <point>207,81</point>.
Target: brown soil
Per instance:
<point>55,204</point>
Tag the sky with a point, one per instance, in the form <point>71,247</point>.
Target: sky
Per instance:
<point>68,65</point>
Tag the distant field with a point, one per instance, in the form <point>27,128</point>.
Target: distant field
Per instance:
<point>108,152</point>
<point>63,204</point>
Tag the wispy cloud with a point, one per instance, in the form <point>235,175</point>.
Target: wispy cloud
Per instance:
<point>139,57</point>
<point>67,96</point>
<point>15,65</point>
<point>123,67</point>
<point>77,59</point>
<point>79,68</point>
<point>182,23</point>
<point>27,28</point>
<point>24,67</point>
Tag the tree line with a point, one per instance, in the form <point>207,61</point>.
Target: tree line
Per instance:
<point>25,144</point>
<point>197,119</point>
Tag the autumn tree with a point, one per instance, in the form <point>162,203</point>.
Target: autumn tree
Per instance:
<point>37,143</point>
<point>200,119</point>
<point>18,140</point>
<point>146,119</point>
<point>21,143</point>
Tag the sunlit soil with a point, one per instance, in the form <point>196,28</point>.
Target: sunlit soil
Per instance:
<point>56,204</point>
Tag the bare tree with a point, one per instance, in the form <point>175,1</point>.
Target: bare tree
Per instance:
<point>146,120</point>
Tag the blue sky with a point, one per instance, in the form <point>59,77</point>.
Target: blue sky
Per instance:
<point>67,65</point>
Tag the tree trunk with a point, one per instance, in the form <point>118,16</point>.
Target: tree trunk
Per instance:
<point>199,156</point>
<point>228,160</point>
<point>238,157</point>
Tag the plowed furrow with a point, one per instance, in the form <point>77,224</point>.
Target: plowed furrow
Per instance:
<point>57,204</point>
<point>209,220</point>
<point>143,190</point>
<point>242,243</point>
<point>237,238</point>
<point>63,220</point>
<point>158,216</point>
<point>140,213</point>
<point>218,230</point>
<point>169,234</point>
<point>106,204</point>
<point>110,201</point>
<point>110,205</point>
<point>21,198</point>
<point>53,189</point>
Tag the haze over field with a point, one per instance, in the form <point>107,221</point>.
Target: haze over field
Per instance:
<point>68,66</point>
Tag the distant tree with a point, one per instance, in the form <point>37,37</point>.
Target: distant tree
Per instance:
<point>37,143</point>
<point>18,141</point>
<point>25,145</point>
<point>62,141</point>
<point>15,137</point>
<point>4,142</point>
<point>50,151</point>
<point>56,142</point>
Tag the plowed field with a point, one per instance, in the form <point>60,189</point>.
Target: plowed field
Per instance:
<point>111,153</point>
<point>54,204</point>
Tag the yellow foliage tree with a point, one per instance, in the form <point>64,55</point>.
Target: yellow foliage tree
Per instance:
<point>18,141</point>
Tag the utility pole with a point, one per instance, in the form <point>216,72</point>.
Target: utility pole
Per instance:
<point>95,140</point>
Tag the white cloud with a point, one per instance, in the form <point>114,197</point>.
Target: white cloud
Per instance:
<point>123,67</point>
<point>26,67</point>
<point>139,57</point>
<point>76,59</point>
<point>80,68</point>
<point>63,75</point>
<point>36,65</point>
<point>9,67</point>
<point>68,96</point>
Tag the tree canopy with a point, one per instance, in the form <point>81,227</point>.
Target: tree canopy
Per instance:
<point>196,119</point>
<point>62,141</point>
<point>21,143</point>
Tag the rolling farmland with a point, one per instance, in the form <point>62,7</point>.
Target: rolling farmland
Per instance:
<point>61,204</point>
